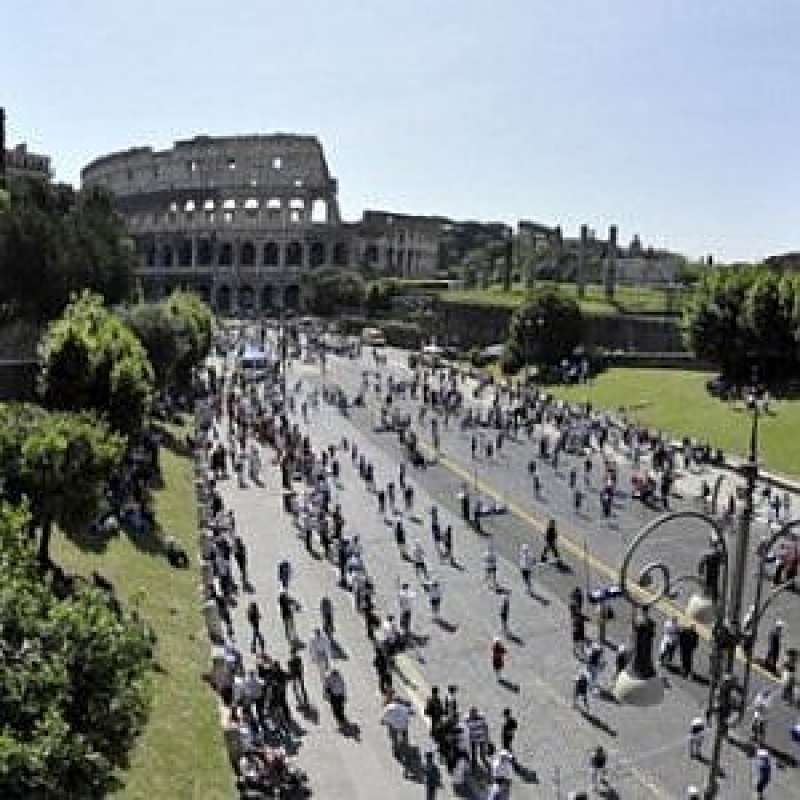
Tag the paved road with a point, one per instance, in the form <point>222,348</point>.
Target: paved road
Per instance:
<point>647,748</point>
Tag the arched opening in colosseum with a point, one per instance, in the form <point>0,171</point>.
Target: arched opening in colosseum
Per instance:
<point>372,254</point>
<point>225,254</point>
<point>185,253</point>
<point>267,298</point>
<point>319,210</point>
<point>247,298</point>
<point>204,253</point>
<point>317,254</point>
<point>340,254</point>
<point>270,254</point>
<point>291,296</point>
<point>223,299</point>
<point>166,256</point>
<point>203,292</point>
<point>294,254</point>
<point>149,254</point>
<point>248,255</point>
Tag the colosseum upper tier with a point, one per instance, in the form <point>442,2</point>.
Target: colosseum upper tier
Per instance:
<point>239,218</point>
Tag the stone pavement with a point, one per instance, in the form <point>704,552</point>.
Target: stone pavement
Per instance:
<point>554,741</point>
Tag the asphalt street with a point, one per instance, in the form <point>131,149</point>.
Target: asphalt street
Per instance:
<point>647,747</point>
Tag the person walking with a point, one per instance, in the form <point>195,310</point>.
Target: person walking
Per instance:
<point>431,776</point>
<point>240,557</point>
<point>580,690</point>
<point>774,647</point>
<point>697,732</point>
<point>551,543</point>
<point>687,644</point>
<point>418,557</point>
<point>254,618</point>
<point>435,598</point>
<point>526,561</point>
<point>383,669</point>
<point>599,765</point>
<point>319,649</point>
<point>326,614</point>
<point>498,657</point>
<point>287,606</point>
<point>336,695</point>
<point>669,641</point>
<point>762,772</point>
<point>508,731</point>
<point>294,668</point>
<point>395,716</point>
<point>490,565</point>
<point>505,612</point>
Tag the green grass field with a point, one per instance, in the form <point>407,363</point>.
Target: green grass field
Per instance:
<point>677,401</point>
<point>180,755</point>
<point>628,300</point>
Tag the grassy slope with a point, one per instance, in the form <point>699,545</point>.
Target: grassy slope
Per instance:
<point>676,401</point>
<point>628,299</point>
<point>180,755</point>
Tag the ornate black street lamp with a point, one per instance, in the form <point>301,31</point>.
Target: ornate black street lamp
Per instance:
<point>718,600</point>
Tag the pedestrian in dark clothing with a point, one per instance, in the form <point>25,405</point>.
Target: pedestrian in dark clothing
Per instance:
<point>383,669</point>
<point>336,694</point>
<point>774,647</point>
<point>295,670</point>
<point>240,557</point>
<point>508,731</point>
<point>326,612</point>
<point>687,644</point>
<point>432,777</point>
<point>505,611</point>
<point>343,563</point>
<point>278,702</point>
<point>578,619</point>
<point>434,711</point>
<point>447,540</point>
<point>287,607</point>
<point>551,543</point>
<point>254,618</point>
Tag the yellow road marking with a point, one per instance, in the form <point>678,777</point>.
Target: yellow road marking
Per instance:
<point>537,522</point>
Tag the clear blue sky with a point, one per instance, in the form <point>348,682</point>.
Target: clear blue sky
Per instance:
<point>676,119</point>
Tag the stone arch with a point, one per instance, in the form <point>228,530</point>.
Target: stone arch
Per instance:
<point>185,253</point>
<point>150,255</point>
<point>166,255</point>
<point>224,299</point>
<point>317,255</point>
<point>204,253</point>
<point>247,256</point>
<point>271,255</point>
<point>225,254</point>
<point>291,296</point>
<point>340,254</point>
<point>372,254</point>
<point>294,254</point>
<point>267,298</point>
<point>247,298</point>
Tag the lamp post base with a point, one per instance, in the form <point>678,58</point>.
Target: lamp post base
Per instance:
<point>635,691</point>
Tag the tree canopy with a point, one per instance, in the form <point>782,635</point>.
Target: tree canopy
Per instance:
<point>741,318</point>
<point>92,360</point>
<point>74,684</point>
<point>60,462</point>
<point>544,330</point>
<point>55,241</point>
<point>334,288</point>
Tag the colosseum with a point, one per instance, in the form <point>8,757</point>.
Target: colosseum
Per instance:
<point>239,219</point>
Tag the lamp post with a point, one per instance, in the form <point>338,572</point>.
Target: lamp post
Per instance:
<point>720,601</point>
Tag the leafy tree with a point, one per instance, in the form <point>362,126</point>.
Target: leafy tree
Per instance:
<point>544,330</point>
<point>74,683</point>
<point>55,241</point>
<point>195,325</point>
<point>92,360</point>
<point>161,335</point>
<point>60,461</point>
<point>333,288</point>
<point>744,317</point>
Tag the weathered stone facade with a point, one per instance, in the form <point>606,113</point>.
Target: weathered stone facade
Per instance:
<point>21,163</point>
<point>240,218</point>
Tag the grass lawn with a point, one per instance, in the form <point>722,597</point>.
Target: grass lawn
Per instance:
<point>676,401</point>
<point>180,754</point>
<point>628,299</point>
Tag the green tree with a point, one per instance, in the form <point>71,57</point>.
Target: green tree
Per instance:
<point>195,325</point>
<point>333,289</point>
<point>60,461</point>
<point>74,680</point>
<point>546,329</point>
<point>54,242</point>
<point>92,360</point>
<point>161,334</point>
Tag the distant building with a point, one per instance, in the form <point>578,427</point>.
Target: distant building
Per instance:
<point>22,164</point>
<point>239,219</point>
